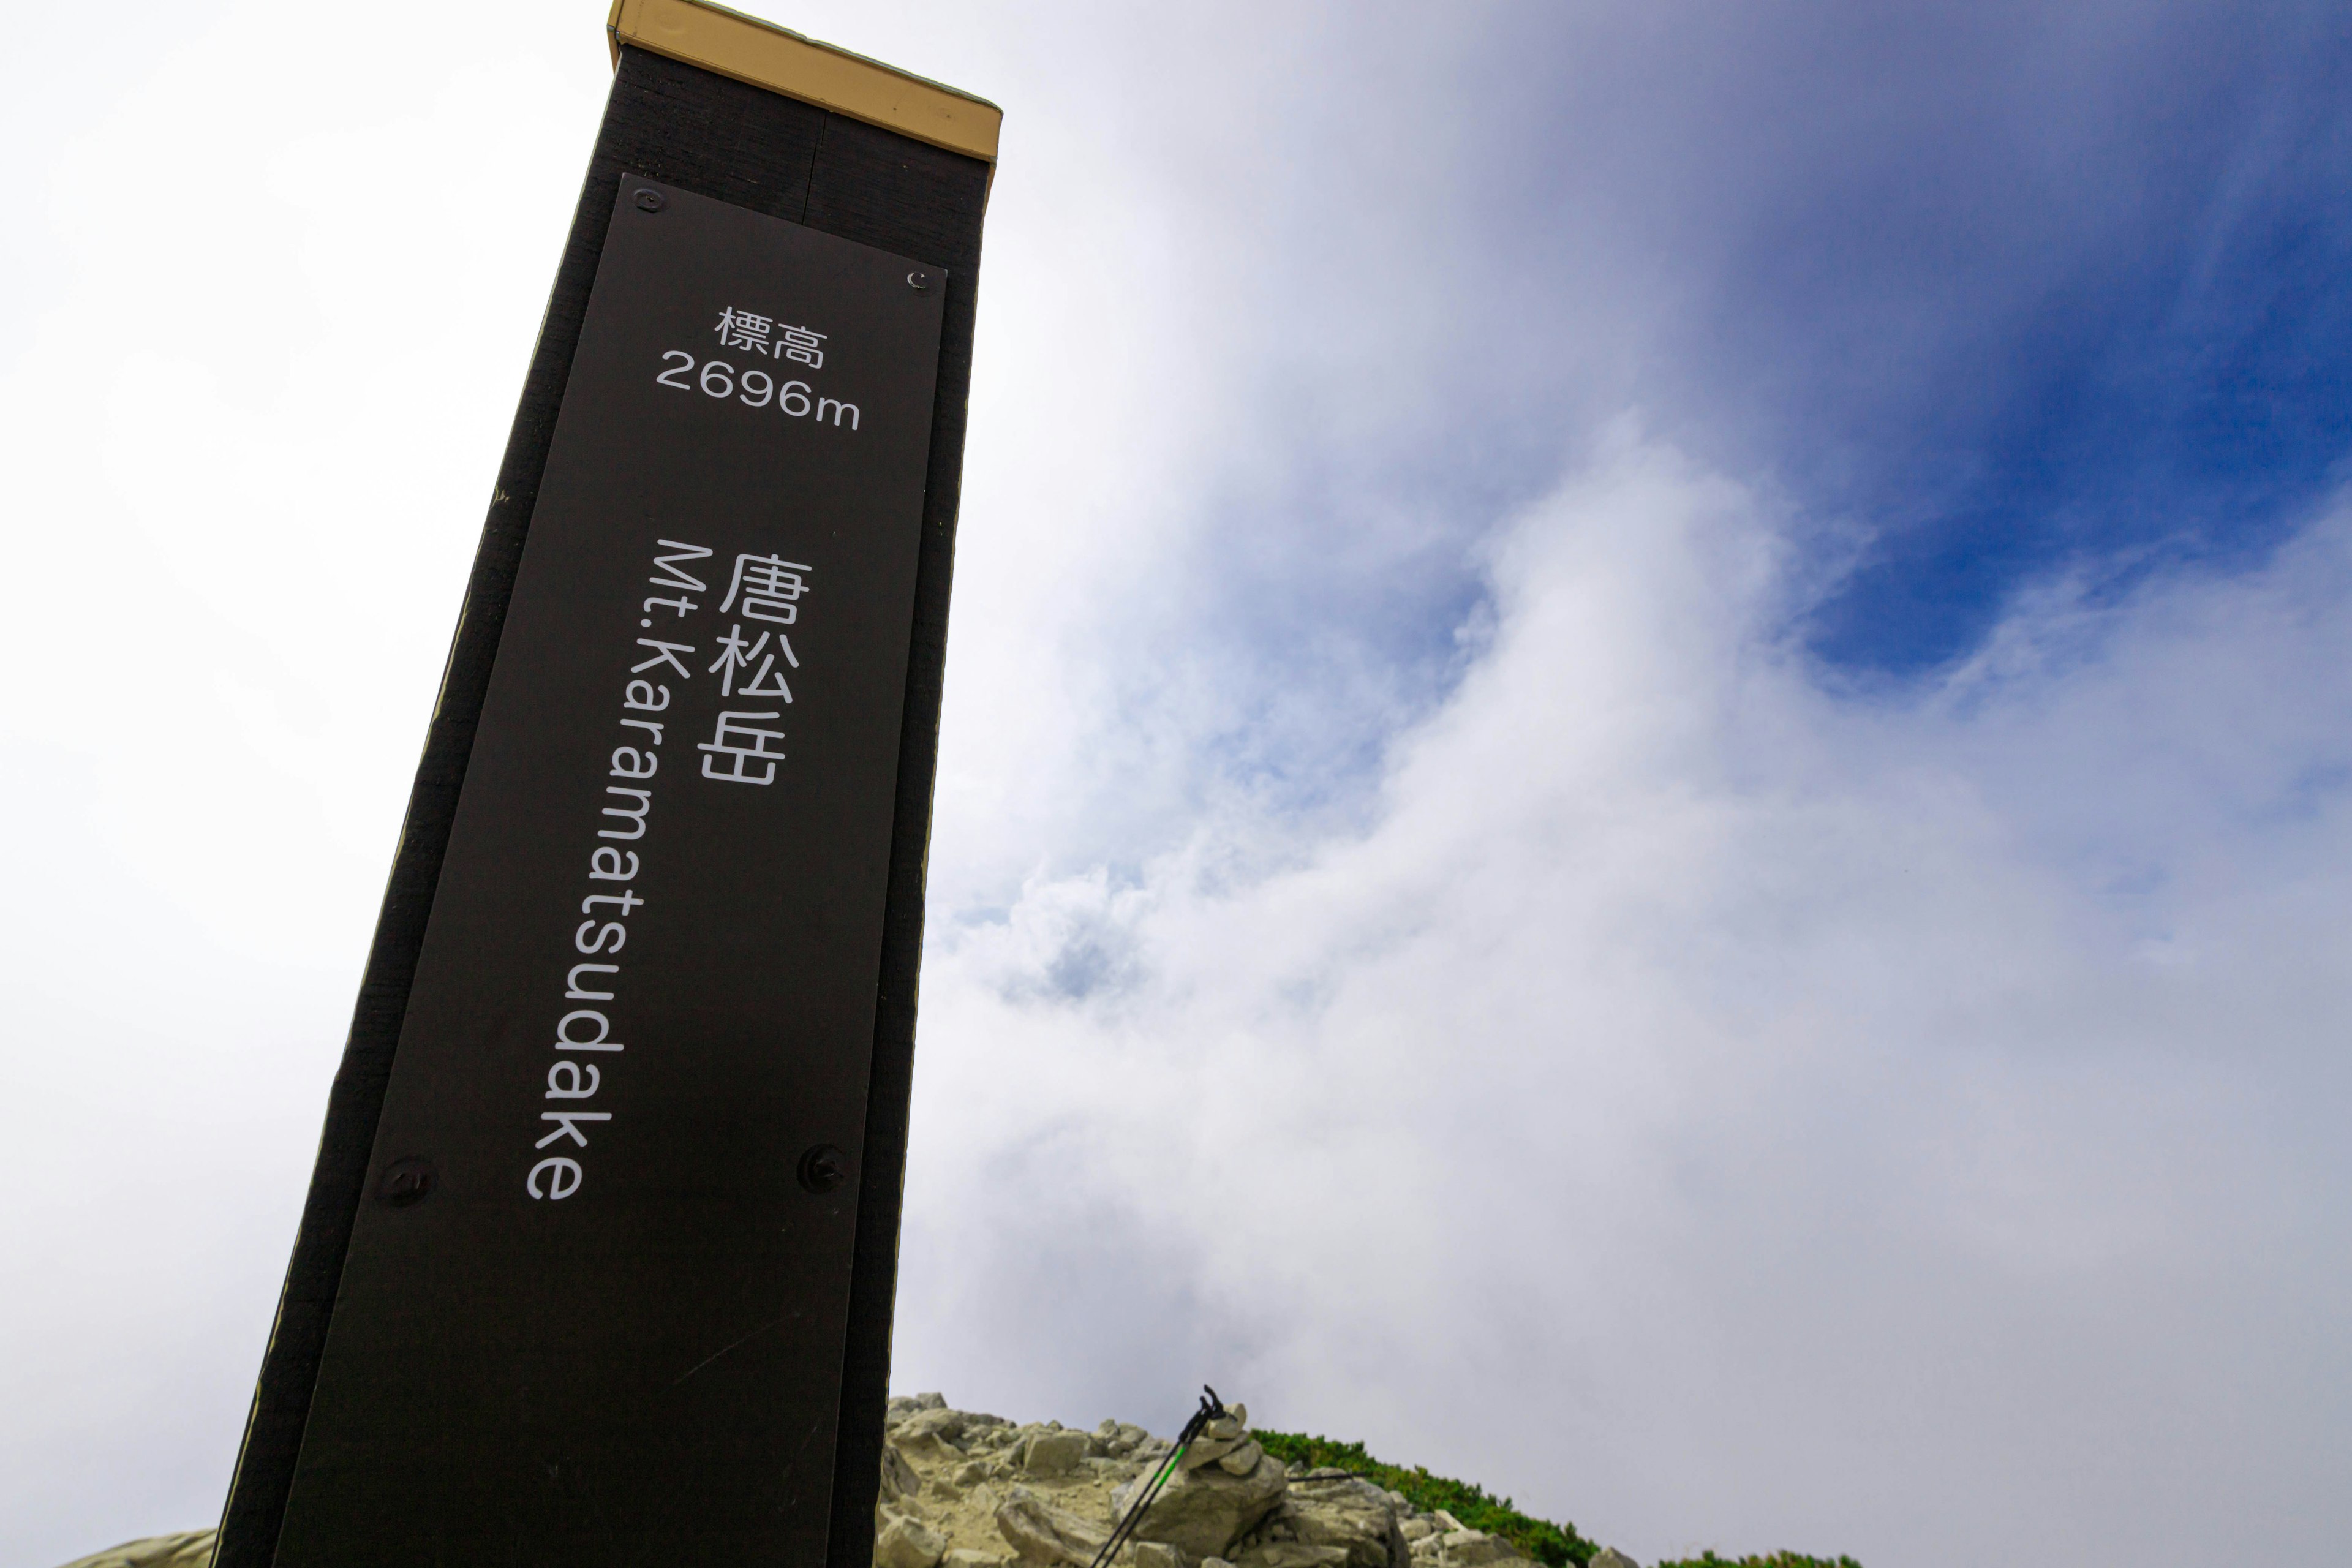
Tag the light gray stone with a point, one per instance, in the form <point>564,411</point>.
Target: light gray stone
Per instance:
<point>1156,1554</point>
<point>1043,1533</point>
<point>947,1423</point>
<point>930,1436</point>
<point>971,1557</point>
<point>1292,1554</point>
<point>898,1477</point>
<point>1202,1513</point>
<point>188,1549</point>
<point>1476,1549</point>
<point>1332,1507</point>
<point>1609,1557</point>
<point>1242,1460</point>
<point>907,1542</point>
<point>1054,1452</point>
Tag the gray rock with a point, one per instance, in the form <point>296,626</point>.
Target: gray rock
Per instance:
<point>1336,1508</point>
<point>1040,1533</point>
<point>1054,1452</point>
<point>1202,1513</point>
<point>931,1435</point>
<point>907,1543</point>
<point>1157,1555</point>
<point>1292,1554</point>
<point>1476,1549</point>
<point>970,1557</point>
<point>898,1477</point>
<point>188,1549</point>
<point>1240,1461</point>
<point>1609,1557</point>
<point>947,1423</point>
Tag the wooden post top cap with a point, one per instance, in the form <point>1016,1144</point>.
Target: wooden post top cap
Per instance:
<point>765,55</point>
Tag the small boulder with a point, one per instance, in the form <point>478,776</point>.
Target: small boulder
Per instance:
<point>1476,1549</point>
<point>188,1549</point>
<point>1054,1452</point>
<point>899,1480</point>
<point>907,1543</point>
<point>1609,1557</point>
<point>1043,1533</point>
<point>931,1435</point>
<point>1336,1508</point>
<point>1202,1513</point>
<point>1292,1554</point>
<point>1240,1461</point>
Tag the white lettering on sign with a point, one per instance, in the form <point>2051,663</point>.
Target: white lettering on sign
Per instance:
<point>628,813</point>
<point>755,388</point>
<point>800,343</point>
<point>771,586</point>
<point>745,746</point>
<point>742,329</point>
<point>736,654</point>
<point>748,330</point>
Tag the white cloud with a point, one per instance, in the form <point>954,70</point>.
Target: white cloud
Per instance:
<point>1722,1113</point>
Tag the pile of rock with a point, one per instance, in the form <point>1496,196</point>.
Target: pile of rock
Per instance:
<point>966,1491</point>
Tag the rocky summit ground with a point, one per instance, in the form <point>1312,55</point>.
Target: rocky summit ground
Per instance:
<point>960,1489</point>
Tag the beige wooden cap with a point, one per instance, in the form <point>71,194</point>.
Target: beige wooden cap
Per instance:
<point>764,55</point>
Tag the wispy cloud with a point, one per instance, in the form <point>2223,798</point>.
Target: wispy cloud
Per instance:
<point>1723,1111</point>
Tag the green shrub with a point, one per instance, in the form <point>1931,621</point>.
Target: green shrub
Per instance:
<point>1555,1545</point>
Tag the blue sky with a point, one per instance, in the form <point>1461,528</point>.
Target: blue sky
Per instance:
<point>1644,791</point>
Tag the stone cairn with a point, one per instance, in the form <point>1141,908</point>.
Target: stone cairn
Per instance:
<point>965,1491</point>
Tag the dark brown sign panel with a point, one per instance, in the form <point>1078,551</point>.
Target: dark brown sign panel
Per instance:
<point>594,1304</point>
<point>598,1258</point>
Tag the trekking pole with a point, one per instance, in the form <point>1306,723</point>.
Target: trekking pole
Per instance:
<point>1211,1408</point>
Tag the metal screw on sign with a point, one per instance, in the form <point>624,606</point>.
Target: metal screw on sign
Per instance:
<point>405,1182</point>
<point>919,280</point>
<point>649,201</point>
<point>824,1168</point>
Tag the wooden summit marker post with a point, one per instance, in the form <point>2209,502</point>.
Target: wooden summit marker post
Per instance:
<point>598,1259</point>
